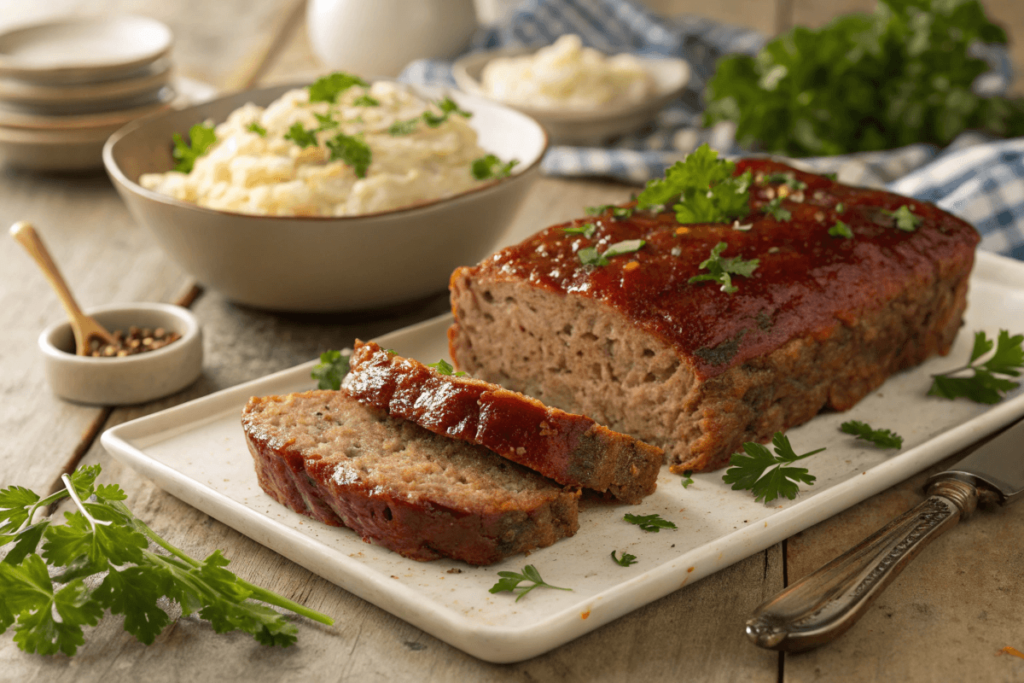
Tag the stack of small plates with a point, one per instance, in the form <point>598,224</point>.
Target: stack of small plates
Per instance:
<point>67,85</point>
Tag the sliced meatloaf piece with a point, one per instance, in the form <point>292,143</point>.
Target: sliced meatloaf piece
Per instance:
<point>325,455</point>
<point>571,449</point>
<point>634,344</point>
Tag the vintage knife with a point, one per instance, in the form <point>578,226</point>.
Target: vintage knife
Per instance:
<point>823,605</point>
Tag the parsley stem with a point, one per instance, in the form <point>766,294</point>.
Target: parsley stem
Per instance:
<point>44,502</point>
<point>70,488</point>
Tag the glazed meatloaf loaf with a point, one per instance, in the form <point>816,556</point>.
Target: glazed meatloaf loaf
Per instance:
<point>571,449</point>
<point>325,455</point>
<point>851,286</point>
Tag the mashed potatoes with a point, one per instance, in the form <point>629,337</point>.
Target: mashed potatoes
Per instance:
<point>567,75</point>
<point>417,152</point>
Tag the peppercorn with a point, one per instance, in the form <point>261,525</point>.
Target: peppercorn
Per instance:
<point>135,341</point>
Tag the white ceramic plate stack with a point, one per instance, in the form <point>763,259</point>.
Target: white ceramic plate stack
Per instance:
<point>67,85</point>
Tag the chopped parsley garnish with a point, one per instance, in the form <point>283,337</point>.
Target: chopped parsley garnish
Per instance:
<point>840,208</point>
<point>841,229</point>
<point>587,230</point>
<point>100,559</point>
<point>301,136</point>
<point>258,129</point>
<point>331,369</point>
<point>626,559</point>
<point>618,212</point>
<point>687,478</point>
<point>767,475</point>
<point>650,523</point>
<point>906,220</point>
<point>366,101</point>
<point>721,270</point>
<point>883,438</point>
<point>983,386</point>
<point>775,209</point>
<point>490,166</point>
<point>509,582</point>
<point>589,256</point>
<point>399,128</point>
<point>328,88</point>
<point>787,179</point>
<point>701,189</point>
<point>326,121</point>
<point>443,367</point>
<point>447,107</point>
<point>352,151</point>
<point>201,138</point>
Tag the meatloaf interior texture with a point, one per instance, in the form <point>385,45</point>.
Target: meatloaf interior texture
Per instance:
<point>571,449</point>
<point>820,323</point>
<point>323,454</point>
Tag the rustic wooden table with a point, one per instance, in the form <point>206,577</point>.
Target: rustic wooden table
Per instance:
<point>946,618</point>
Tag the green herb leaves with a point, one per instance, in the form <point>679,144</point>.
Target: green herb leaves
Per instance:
<point>301,136</point>
<point>509,582</point>
<point>447,107</point>
<point>906,220</point>
<point>589,256</point>
<point>687,479</point>
<point>331,369</point>
<point>865,82</point>
<point>399,128</point>
<point>649,523</point>
<point>48,606</point>
<point>841,229</point>
<point>585,229</point>
<point>984,386</point>
<point>883,438</point>
<point>702,189</point>
<point>775,209</point>
<point>443,367</point>
<point>328,88</point>
<point>352,151</point>
<point>626,559</point>
<point>490,166</point>
<point>767,475</point>
<point>721,270</point>
<point>254,127</point>
<point>201,138</point>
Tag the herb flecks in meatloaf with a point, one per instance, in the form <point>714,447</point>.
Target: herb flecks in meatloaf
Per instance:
<point>819,324</point>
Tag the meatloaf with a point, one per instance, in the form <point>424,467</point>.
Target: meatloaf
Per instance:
<point>325,455</point>
<point>571,449</point>
<point>823,319</point>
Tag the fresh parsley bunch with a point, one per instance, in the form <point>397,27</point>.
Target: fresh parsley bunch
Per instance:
<point>701,189</point>
<point>48,599</point>
<point>865,82</point>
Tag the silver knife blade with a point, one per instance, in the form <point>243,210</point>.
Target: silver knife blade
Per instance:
<point>998,464</point>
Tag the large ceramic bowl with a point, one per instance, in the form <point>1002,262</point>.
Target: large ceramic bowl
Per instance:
<point>325,264</point>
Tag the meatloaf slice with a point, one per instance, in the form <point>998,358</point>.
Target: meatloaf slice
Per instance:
<point>571,449</point>
<point>327,456</point>
<point>634,344</point>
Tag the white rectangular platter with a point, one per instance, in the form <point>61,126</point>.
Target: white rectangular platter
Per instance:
<point>196,451</point>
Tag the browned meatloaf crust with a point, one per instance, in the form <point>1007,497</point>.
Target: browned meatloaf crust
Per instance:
<point>327,456</point>
<point>821,322</point>
<point>571,449</point>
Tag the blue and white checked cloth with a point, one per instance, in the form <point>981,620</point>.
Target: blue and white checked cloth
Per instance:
<point>976,178</point>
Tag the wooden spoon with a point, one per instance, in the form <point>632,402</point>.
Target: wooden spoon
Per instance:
<point>84,327</point>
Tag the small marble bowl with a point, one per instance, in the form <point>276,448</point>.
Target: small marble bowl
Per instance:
<point>129,379</point>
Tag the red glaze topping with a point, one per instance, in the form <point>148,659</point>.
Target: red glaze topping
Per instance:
<point>807,282</point>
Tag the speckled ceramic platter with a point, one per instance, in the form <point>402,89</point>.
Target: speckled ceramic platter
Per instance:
<point>196,451</point>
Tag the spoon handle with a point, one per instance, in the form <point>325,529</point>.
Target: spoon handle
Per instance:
<point>27,236</point>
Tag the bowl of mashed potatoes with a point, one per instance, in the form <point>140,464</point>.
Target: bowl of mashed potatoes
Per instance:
<point>580,95</point>
<point>338,196</point>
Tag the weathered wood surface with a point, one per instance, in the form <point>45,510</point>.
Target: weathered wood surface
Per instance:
<point>945,618</point>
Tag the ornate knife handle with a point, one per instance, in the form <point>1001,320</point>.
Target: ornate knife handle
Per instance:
<point>823,605</point>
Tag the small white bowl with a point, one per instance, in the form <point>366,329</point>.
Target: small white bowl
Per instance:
<point>130,379</point>
<point>590,126</point>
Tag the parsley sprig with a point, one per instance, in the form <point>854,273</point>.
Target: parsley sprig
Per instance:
<point>768,476</point>
<point>353,151</point>
<point>331,369</point>
<point>490,166</point>
<point>906,219</point>
<point>775,209</point>
<point>327,88</point>
<point>841,229</point>
<point>701,189</point>
<point>301,136</point>
<point>721,270</point>
<point>984,386</point>
<point>589,256</point>
<point>626,559</point>
<point>650,523</point>
<point>201,138</point>
<point>883,438</point>
<point>443,367</point>
<point>509,582</point>
<point>48,606</point>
